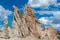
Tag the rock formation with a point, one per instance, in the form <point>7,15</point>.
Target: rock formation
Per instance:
<point>31,21</point>
<point>26,27</point>
<point>49,34</point>
<point>5,31</point>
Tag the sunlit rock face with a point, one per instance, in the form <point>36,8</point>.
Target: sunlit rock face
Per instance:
<point>26,27</point>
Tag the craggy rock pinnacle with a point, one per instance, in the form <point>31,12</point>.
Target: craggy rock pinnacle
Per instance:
<point>26,27</point>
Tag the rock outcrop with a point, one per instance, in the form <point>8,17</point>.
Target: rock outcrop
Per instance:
<point>49,34</point>
<point>26,27</point>
<point>5,31</point>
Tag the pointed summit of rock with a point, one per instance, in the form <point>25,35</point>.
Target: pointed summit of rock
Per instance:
<point>28,11</point>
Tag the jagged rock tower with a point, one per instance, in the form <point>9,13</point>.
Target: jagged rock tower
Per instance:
<point>17,22</point>
<point>31,21</point>
<point>26,24</point>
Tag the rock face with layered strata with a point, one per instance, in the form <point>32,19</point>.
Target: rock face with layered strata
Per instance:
<point>26,27</point>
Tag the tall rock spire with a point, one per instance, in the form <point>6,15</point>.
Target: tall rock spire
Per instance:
<point>29,16</point>
<point>28,11</point>
<point>17,16</point>
<point>17,22</point>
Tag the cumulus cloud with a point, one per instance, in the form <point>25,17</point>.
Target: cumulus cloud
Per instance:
<point>56,25</point>
<point>53,21</point>
<point>44,12</point>
<point>41,3</point>
<point>4,13</point>
<point>56,14</point>
<point>45,21</point>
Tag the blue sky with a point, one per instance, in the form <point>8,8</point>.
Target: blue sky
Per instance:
<point>47,11</point>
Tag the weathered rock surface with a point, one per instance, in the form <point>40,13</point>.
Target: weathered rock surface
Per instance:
<point>26,27</point>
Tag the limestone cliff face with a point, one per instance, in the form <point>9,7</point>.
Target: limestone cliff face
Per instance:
<point>26,27</point>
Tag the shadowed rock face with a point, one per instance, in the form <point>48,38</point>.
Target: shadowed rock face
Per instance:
<point>26,27</point>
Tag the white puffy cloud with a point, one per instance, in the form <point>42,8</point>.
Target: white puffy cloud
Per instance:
<point>45,20</point>
<point>56,25</point>
<point>57,14</point>
<point>53,21</point>
<point>4,13</point>
<point>41,3</point>
<point>44,12</point>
